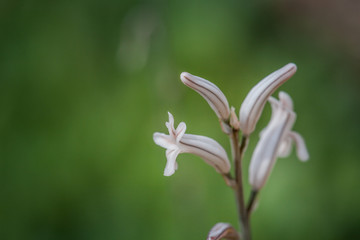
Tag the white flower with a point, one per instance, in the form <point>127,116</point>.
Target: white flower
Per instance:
<point>254,102</point>
<point>275,141</point>
<point>212,94</point>
<point>178,142</point>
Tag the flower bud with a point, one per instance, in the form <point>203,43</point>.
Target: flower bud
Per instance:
<point>254,102</point>
<point>212,94</point>
<point>223,231</point>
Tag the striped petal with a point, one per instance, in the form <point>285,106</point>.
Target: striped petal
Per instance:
<point>210,92</point>
<point>254,102</point>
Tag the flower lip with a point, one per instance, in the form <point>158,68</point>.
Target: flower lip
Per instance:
<point>210,92</point>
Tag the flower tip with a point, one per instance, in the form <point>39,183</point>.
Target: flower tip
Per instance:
<point>210,92</point>
<point>170,115</point>
<point>286,100</point>
<point>156,137</point>
<point>291,66</point>
<point>184,76</point>
<point>169,172</point>
<point>303,155</point>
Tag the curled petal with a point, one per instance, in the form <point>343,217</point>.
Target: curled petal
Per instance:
<point>170,125</point>
<point>163,140</point>
<point>266,151</point>
<point>171,165</point>
<point>180,131</point>
<point>301,150</point>
<point>208,149</point>
<point>223,231</point>
<point>254,102</point>
<point>212,94</point>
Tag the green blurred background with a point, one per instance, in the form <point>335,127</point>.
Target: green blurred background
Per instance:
<point>84,84</point>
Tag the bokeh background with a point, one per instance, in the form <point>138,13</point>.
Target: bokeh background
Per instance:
<point>84,84</point>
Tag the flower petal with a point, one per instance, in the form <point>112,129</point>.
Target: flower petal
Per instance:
<point>163,140</point>
<point>180,131</point>
<point>208,149</point>
<point>286,100</point>
<point>171,165</point>
<point>266,150</point>
<point>212,94</point>
<point>170,125</point>
<point>301,150</point>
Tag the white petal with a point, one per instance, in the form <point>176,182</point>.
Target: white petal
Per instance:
<point>208,149</point>
<point>170,125</point>
<point>254,102</point>
<point>286,100</point>
<point>171,164</point>
<point>212,94</point>
<point>180,131</point>
<point>301,150</point>
<point>266,150</point>
<point>163,140</point>
<point>274,103</point>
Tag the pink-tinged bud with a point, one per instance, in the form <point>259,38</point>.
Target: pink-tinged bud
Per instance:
<point>275,141</point>
<point>254,102</point>
<point>178,142</point>
<point>223,231</point>
<point>212,94</point>
<point>234,121</point>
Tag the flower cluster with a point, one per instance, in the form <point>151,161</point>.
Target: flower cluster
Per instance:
<point>275,139</point>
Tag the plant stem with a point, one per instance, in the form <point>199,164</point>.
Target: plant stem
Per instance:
<point>251,202</point>
<point>238,152</point>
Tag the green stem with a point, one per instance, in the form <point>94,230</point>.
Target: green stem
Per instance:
<point>238,152</point>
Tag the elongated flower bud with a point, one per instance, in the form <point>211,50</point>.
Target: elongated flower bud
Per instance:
<point>223,231</point>
<point>178,142</point>
<point>254,102</point>
<point>212,94</point>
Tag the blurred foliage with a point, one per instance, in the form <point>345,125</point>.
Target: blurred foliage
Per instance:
<point>84,84</point>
